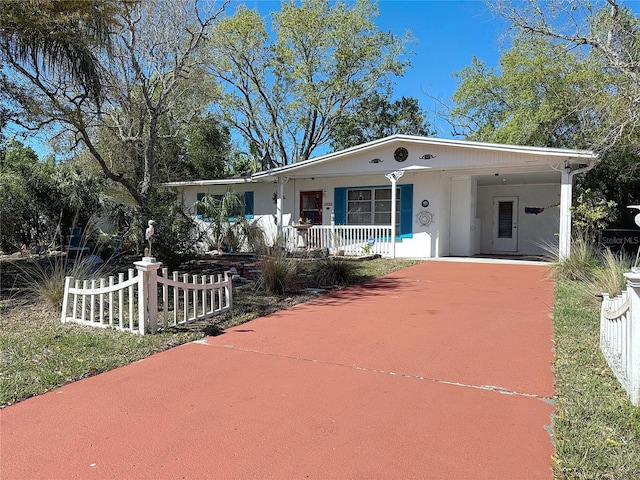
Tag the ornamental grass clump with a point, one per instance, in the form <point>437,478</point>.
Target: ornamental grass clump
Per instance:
<point>581,264</point>
<point>609,278</point>
<point>334,271</point>
<point>44,278</point>
<point>278,273</point>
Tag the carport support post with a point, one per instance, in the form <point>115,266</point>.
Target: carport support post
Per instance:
<point>564,241</point>
<point>566,199</point>
<point>148,294</point>
<point>393,177</point>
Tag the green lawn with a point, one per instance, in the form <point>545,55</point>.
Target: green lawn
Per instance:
<point>597,430</point>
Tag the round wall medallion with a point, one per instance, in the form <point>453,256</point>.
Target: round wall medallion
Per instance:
<point>425,203</point>
<point>425,218</point>
<point>400,154</point>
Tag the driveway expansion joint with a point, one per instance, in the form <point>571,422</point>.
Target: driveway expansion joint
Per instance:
<point>488,388</point>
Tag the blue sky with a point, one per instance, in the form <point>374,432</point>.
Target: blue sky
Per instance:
<point>448,33</point>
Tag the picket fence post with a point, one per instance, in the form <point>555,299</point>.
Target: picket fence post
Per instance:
<point>148,294</point>
<point>65,299</point>
<point>633,284</point>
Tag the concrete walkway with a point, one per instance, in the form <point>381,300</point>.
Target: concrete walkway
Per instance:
<point>438,371</point>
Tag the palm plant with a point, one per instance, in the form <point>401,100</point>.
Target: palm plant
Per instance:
<point>217,211</point>
<point>61,36</point>
<point>226,227</point>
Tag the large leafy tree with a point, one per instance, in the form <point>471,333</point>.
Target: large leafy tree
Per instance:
<point>541,95</point>
<point>286,85</point>
<point>202,151</point>
<point>150,89</point>
<point>616,177</point>
<point>606,32</point>
<point>590,54</point>
<point>376,116</point>
<point>18,207</point>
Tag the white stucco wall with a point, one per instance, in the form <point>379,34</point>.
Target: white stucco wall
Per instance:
<point>262,195</point>
<point>444,218</point>
<point>533,230</point>
<point>463,216</point>
<point>424,243</point>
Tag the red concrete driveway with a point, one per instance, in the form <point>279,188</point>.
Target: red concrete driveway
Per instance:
<point>438,371</point>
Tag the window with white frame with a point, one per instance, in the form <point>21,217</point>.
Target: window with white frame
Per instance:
<point>371,206</point>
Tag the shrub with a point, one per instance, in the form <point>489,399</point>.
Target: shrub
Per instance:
<point>176,234</point>
<point>278,274</point>
<point>334,271</point>
<point>253,235</point>
<point>592,213</point>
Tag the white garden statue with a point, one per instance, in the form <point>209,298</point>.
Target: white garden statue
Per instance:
<point>148,234</point>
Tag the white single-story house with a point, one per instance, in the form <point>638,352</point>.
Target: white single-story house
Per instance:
<point>451,198</point>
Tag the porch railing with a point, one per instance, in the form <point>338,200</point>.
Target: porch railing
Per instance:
<point>347,239</point>
<point>620,335</point>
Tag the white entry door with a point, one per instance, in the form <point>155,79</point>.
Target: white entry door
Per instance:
<point>505,224</point>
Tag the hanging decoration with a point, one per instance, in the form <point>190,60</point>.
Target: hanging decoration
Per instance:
<point>401,154</point>
<point>425,218</point>
<point>533,210</point>
<point>537,210</point>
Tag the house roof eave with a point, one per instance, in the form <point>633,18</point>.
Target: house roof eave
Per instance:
<point>217,181</point>
<point>572,156</point>
<point>565,154</point>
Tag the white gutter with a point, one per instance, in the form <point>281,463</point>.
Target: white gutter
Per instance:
<point>218,181</point>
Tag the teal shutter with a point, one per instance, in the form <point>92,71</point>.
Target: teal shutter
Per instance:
<point>406,210</point>
<point>248,204</point>
<point>340,205</point>
<point>199,197</point>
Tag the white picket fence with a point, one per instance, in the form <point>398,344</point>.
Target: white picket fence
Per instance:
<point>145,301</point>
<point>620,335</point>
